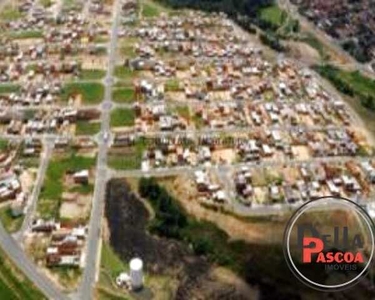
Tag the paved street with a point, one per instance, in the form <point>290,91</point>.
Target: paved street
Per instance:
<point>20,259</point>
<point>86,288</point>
<point>160,172</point>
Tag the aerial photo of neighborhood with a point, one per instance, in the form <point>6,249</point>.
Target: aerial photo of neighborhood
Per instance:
<point>156,149</point>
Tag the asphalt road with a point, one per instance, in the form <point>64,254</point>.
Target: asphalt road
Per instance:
<point>19,258</point>
<point>14,251</point>
<point>86,288</point>
<point>161,172</point>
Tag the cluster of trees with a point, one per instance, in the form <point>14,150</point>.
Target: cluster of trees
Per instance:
<point>360,53</point>
<point>245,13</point>
<point>170,218</point>
<point>171,221</point>
<point>333,74</point>
<point>231,7</point>
<point>272,41</point>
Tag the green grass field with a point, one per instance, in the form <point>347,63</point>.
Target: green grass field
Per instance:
<point>10,13</point>
<point>10,223</point>
<point>110,267</point>
<point>3,145</point>
<point>87,128</point>
<point>13,284</point>
<point>361,84</point>
<point>152,9</point>
<point>352,83</point>
<point>123,95</point>
<point>9,88</point>
<point>122,117</point>
<point>50,197</point>
<point>26,34</point>
<point>184,112</point>
<point>93,74</point>
<point>129,159</point>
<point>46,3</point>
<point>110,263</point>
<point>91,92</point>
<point>172,85</point>
<point>124,73</point>
<point>274,15</point>
<point>127,46</point>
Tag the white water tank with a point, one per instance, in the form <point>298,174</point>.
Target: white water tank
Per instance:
<point>136,273</point>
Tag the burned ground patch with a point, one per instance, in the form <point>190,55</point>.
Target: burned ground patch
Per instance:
<point>128,220</point>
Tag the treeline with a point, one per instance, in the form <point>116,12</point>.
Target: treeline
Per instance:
<point>360,52</point>
<point>334,75</point>
<point>245,13</point>
<point>231,7</point>
<point>170,218</point>
<point>171,221</point>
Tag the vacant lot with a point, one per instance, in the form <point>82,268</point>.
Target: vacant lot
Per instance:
<point>11,224</point>
<point>26,34</point>
<point>9,88</point>
<point>50,197</point>
<point>127,159</point>
<point>124,73</point>
<point>123,95</point>
<point>10,13</point>
<point>122,117</point>
<point>91,92</point>
<point>87,128</point>
<point>93,74</point>
<point>152,9</point>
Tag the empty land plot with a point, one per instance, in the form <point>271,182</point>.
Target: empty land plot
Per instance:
<point>152,9</point>
<point>172,85</point>
<point>53,187</point>
<point>125,73</point>
<point>87,128</point>
<point>46,3</point>
<point>92,74</point>
<point>10,12</point>
<point>9,88</point>
<point>127,46</point>
<point>123,95</point>
<point>122,117</point>
<point>129,158</point>
<point>25,34</point>
<point>91,92</point>
<point>110,266</point>
<point>10,223</point>
<point>184,112</point>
